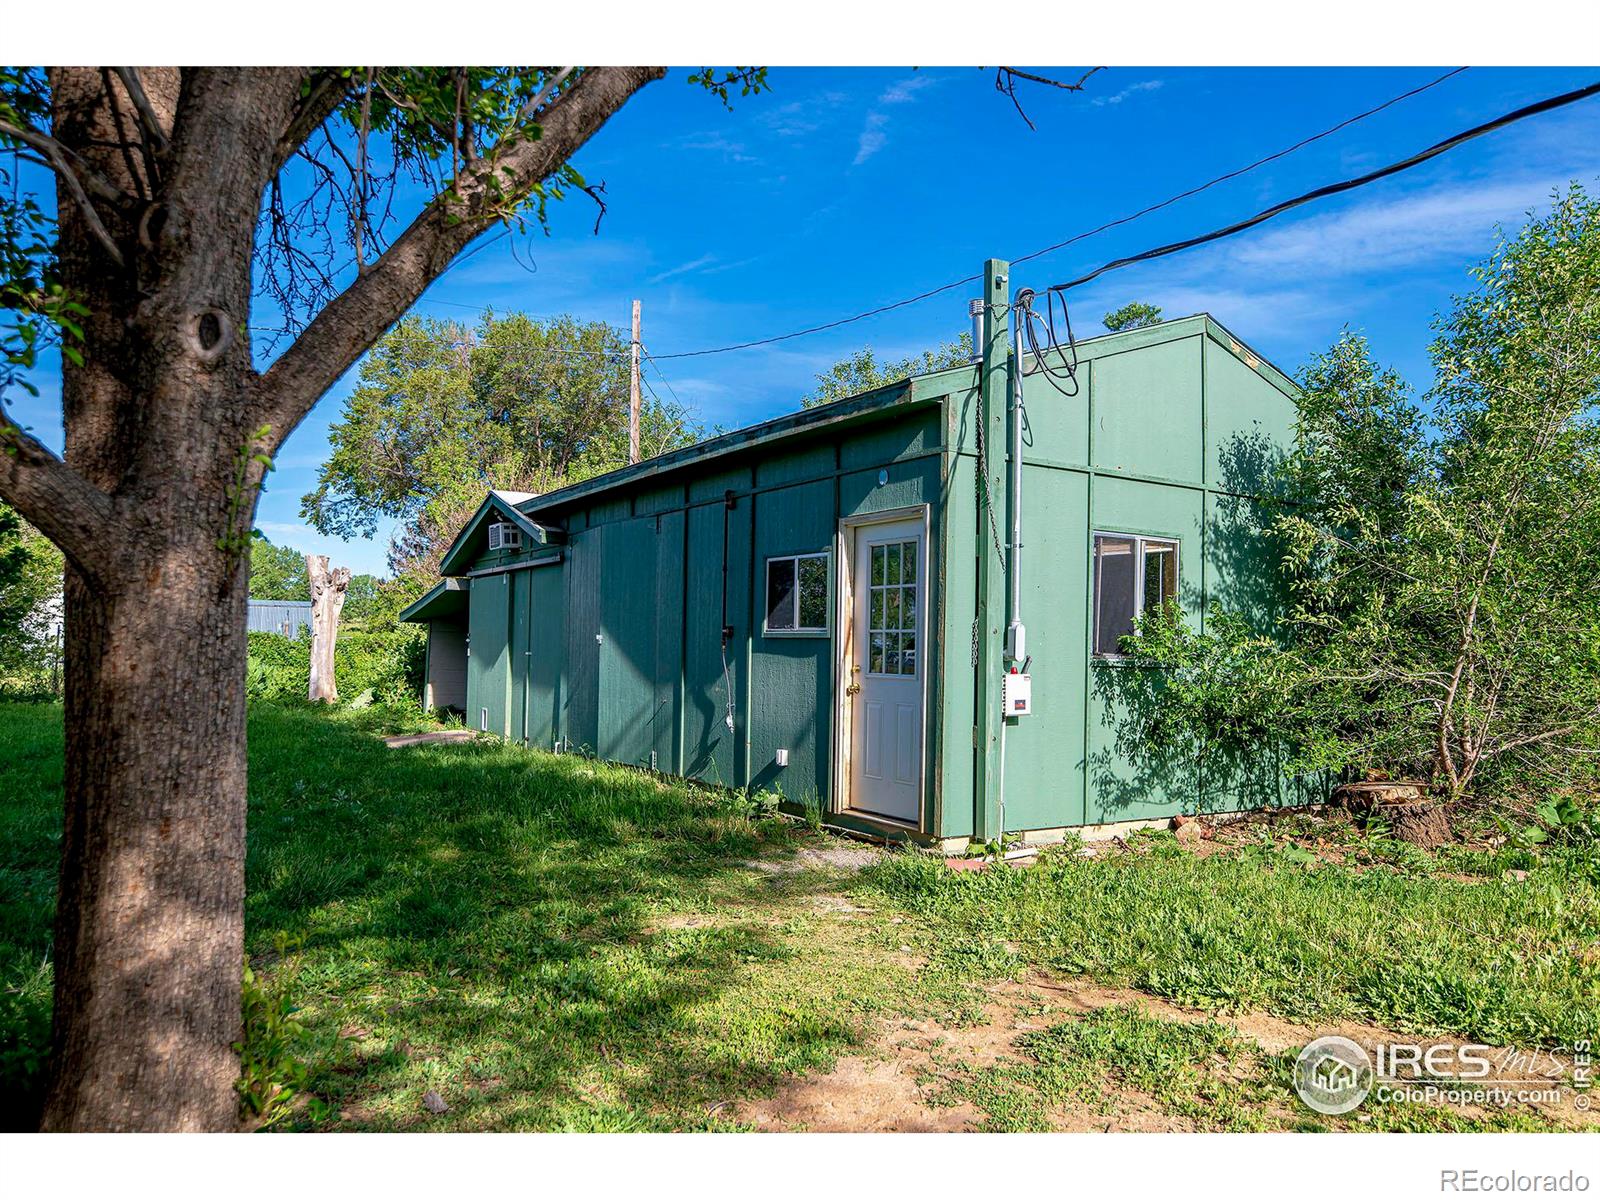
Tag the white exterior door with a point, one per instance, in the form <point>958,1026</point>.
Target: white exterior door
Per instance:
<point>885,669</point>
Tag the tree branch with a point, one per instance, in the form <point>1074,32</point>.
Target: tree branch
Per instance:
<point>56,154</point>
<point>142,106</point>
<point>350,323</point>
<point>326,92</point>
<point>56,500</point>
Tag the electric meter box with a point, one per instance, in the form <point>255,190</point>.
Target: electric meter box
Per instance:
<point>1016,694</point>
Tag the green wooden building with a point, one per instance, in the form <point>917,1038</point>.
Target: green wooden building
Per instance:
<point>819,603</point>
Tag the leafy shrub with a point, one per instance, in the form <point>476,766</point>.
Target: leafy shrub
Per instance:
<point>273,1066</point>
<point>390,665</point>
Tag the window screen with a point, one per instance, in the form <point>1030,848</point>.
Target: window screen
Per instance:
<point>797,594</point>
<point>1132,576</point>
<point>1115,569</point>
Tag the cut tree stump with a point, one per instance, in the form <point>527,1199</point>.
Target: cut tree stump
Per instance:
<point>327,599</point>
<point>1402,805</point>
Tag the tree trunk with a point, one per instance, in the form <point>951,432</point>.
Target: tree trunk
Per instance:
<point>149,930</point>
<point>327,600</point>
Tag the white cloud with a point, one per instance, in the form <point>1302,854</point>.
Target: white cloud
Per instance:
<point>873,138</point>
<point>1449,221</point>
<point>905,91</point>
<point>874,133</point>
<point>1149,85</point>
<point>695,264</point>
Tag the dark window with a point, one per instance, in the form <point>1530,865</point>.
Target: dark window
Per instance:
<point>1132,576</point>
<point>797,594</point>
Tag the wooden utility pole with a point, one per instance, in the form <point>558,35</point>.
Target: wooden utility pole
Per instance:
<point>633,393</point>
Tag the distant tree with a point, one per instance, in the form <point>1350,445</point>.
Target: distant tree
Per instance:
<point>442,412</point>
<point>861,371</point>
<point>1136,315</point>
<point>30,593</point>
<point>276,572</point>
<point>1444,616</point>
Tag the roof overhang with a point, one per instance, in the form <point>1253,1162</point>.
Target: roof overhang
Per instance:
<point>877,405</point>
<point>503,507</point>
<point>447,599</point>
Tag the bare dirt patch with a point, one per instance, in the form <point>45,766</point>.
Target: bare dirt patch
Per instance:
<point>895,1087</point>
<point>834,854</point>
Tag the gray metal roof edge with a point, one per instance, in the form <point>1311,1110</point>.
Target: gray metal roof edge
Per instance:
<point>449,584</point>
<point>794,424</point>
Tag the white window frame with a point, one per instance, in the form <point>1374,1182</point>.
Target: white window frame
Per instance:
<point>1138,540</point>
<point>799,631</point>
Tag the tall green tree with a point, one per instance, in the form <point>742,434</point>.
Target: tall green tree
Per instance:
<point>1445,615</point>
<point>442,412</point>
<point>862,371</point>
<point>276,572</point>
<point>175,211</point>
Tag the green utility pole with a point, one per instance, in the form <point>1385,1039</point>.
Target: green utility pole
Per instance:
<point>994,387</point>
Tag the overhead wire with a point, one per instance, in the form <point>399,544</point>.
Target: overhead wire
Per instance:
<point>1334,189</point>
<point>1051,249</point>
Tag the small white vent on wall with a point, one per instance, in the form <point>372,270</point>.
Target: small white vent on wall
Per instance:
<point>504,536</point>
<point>483,720</point>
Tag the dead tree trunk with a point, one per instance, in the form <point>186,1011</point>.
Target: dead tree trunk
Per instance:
<point>327,599</point>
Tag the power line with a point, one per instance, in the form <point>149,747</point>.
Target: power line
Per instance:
<point>1260,162</point>
<point>1334,189</point>
<point>651,359</point>
<point>1148,209</point>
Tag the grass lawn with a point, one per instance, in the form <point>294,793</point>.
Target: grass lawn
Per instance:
<point>553,943</point>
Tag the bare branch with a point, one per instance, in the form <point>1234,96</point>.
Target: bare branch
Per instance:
<point>350,323</point>
<point>56,155</point>
<point>543,94</point>
<point>141,105</point>
<point>327,90</point>
<point>1005,81</point>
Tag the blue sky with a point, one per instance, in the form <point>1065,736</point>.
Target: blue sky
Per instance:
<point>840,190</point>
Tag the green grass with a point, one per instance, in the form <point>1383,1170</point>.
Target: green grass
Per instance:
<point>554,943</point>
<point>1498,961</point>
<point>547,941</point>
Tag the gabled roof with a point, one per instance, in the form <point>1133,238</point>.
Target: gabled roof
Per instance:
<point>504,507</point>
<point>444,599</point>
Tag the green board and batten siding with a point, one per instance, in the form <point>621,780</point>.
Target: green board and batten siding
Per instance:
<point>615,647</point>
<point>1171,429</point>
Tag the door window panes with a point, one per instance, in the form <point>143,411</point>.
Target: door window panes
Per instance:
<point>892,609</point>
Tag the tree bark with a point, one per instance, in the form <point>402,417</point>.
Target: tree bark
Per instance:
<point>327,599</point>
<point>149,930</point>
